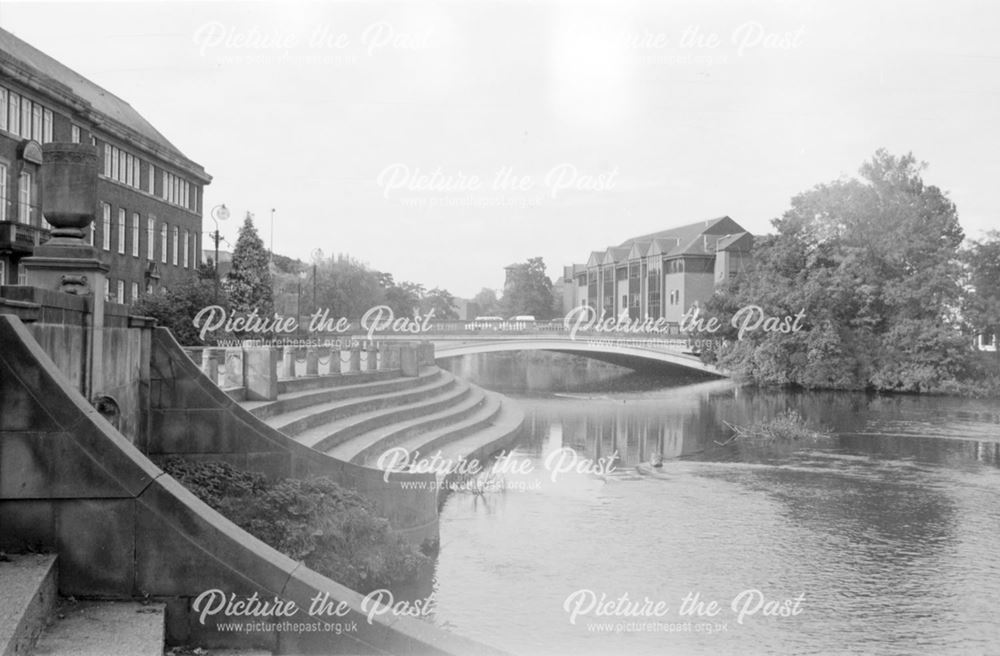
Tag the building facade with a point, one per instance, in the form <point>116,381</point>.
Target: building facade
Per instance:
<point>148,219</point>
<point>660,275</point>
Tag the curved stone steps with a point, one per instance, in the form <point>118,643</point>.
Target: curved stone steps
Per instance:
<point>338,432</point>
<point>505,428</point>
<point>427,442</point>
<point>378,441</point>
<point>312,417</point>
<point>289,402</point>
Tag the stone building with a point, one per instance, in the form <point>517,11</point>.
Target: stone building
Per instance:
<point>659,275</point>
<point>149,212</point>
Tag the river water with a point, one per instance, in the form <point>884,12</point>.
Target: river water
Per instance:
<point>879,540</point>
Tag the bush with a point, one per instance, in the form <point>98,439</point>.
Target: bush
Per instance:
<point>333,530</point>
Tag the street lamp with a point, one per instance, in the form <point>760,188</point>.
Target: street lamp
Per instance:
<point>218,213</point>
<point>298,305</point>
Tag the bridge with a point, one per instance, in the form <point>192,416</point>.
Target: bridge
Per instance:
<point>633,349</point>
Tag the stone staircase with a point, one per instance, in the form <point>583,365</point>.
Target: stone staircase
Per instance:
<point>358,417</point>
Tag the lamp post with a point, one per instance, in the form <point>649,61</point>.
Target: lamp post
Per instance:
<point>218,213</point>
<point>272,235</point>
<point>298,305</point>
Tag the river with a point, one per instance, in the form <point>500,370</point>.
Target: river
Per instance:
<point>881,539</point>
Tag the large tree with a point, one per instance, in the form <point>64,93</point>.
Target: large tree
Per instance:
<point>982,310</point>
<point>874,263</point>
<point>527,290</point>
<point>442,302</point>
<point>249,280</point>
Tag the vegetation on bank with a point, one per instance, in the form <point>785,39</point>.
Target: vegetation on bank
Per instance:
<point>334,531</point>
<point>891,299</point>
<point>788,426</point>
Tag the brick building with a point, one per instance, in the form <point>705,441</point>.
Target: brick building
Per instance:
<point>660,275</point>
<point>148,219</point>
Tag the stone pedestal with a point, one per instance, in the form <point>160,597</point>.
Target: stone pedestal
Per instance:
<point>288,362</point>
<point>355,363</point>
<point>335,356</point>
<point>312,361</point>
<point>260,370</point>
<point>233,376</point>
<point>371,357</point>
<point>383,359</point>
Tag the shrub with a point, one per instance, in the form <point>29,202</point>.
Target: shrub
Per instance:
<point>333,530</point>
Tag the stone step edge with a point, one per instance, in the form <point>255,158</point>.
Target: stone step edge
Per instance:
<point>484,417</point>
<point>290,402</point>
<point>355,425</point>
<point>386,437</point>
<point>304,419</point>
<point>28,592</point>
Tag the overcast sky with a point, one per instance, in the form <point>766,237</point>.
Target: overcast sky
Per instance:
<point>442,141</point>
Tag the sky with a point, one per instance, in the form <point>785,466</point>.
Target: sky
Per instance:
<point>442,141</point>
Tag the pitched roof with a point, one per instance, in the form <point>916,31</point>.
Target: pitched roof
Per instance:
<point>693,239</point>
<point>13,49</point>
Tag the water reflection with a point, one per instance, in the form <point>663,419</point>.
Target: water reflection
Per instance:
<point>888,527</point>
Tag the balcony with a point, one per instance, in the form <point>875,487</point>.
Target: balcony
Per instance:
<point>21,238</point>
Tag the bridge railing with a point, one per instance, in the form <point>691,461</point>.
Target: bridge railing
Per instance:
<point>549,327</point>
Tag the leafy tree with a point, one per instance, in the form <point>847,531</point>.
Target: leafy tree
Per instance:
<point>527,290</point>
<point>441,302</point>
<point>982,309</point>
<point>249,280</point>
<point>347,287</point>
<point>486,301</point>
<point>874,263</point>
<point>175,308</point>
<point>404,298</point>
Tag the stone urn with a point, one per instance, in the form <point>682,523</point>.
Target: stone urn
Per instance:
<point>69,188</point>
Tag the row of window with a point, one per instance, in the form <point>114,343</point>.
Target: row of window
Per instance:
<point>124,167</point>
<point>114,291</point>
<point>25,196</point>
<point>176,190</point>
<point>24,117</point>
<point>127,234</point>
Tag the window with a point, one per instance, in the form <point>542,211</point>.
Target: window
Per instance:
<point>107,161</point>
<point>107,289</point>
<point>106,225</point>
<point>74,133</point>
<point>91,229</point>
<point>3,108</point>
<point>36,122</point>
<point>121,230</point>
<point>149,287</point>
<point>24,198</point>
<point>3,267</point>
<point>46,125</point>
<point>14,114</point>
<point>163,243</point>
<point>187,241</point>
<point>3,192</point>
<point>150,236</point>
<point>120,296</point>
<point>149,178</point>
<point>135,292</point>
<point>135,234</point>
<point>176,238</point>
<point>22,274</point>
<point>25,118</point>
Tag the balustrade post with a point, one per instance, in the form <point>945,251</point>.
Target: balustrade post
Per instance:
<point>371,356</point>
<point>288,362</point>
<point>312,361</point>
<point>355,364</point>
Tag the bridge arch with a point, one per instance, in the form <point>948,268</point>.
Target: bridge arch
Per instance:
<point>618,352</point>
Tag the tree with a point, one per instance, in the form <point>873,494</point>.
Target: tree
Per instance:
<point>486,302</point>
<point>982,309</point>
<point>347,287</point>
<point>441,302</point>
<point>249,280</point>
<point>175,308</point>
<point>404,298</point>
<point>527,290</point>
<point>874,265</point>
